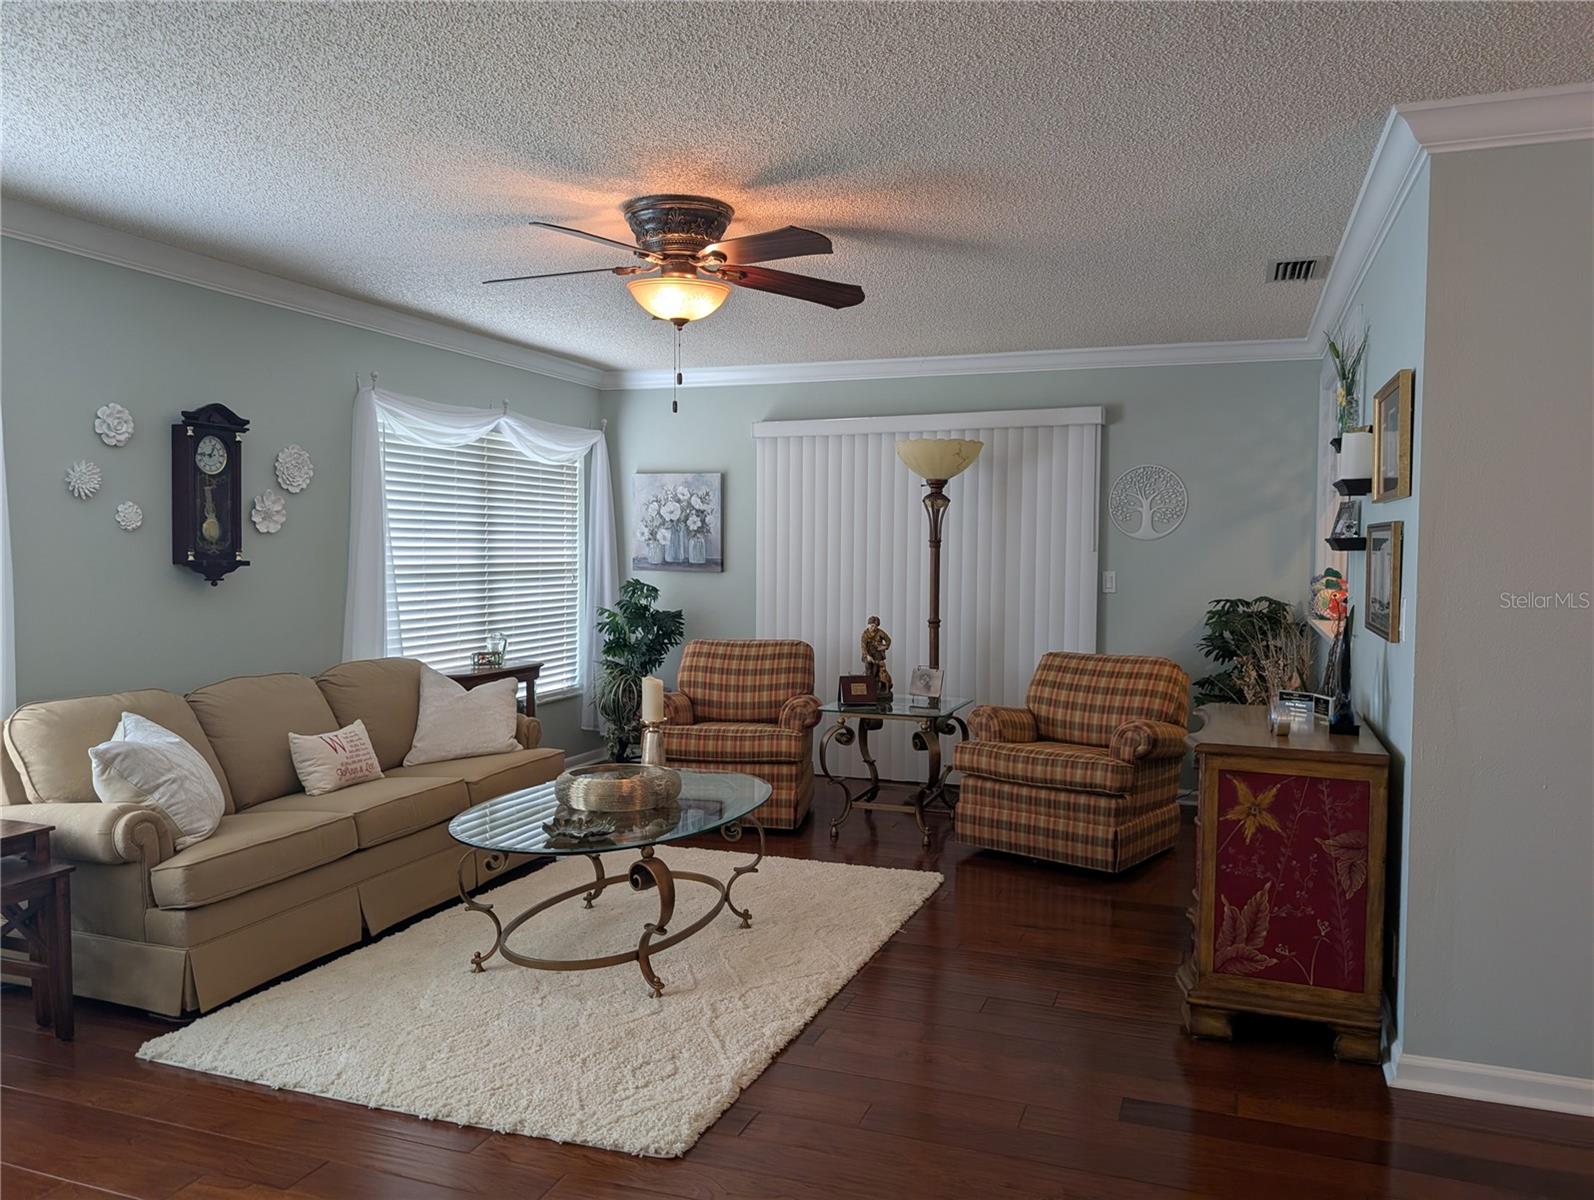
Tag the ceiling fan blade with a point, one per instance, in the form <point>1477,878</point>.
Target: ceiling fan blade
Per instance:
<point>556,274</point>
<point>799,287</point>
<point>593,237</point>
<point>790,242</point>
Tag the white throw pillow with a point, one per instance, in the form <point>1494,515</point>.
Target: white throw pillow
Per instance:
<point>145,763</point>
<point>458,723</point>
<point>329,761</point>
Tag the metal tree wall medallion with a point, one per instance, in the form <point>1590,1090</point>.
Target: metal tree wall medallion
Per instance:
<point>1147,502</point>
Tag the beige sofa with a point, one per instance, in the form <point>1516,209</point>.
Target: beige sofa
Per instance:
<point>287,877</point>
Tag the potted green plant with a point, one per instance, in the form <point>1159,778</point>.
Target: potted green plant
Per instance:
<point>1261,645</point>
<point>637,637</point>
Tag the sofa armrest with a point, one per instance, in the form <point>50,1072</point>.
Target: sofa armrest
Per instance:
<point>677,708</point>
<point>1000,723</point>
<point>528,731</point>
<point>103,833</point>
<point>1135,740</point>
<point>800,713</point>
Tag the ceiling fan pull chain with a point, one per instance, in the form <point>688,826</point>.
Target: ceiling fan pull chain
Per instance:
<point>675,383</point>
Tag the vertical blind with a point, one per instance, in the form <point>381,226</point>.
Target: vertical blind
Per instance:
<point>842,535</point>
<point>482,540</point>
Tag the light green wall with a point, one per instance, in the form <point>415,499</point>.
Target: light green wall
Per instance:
<point>1500,916</point>
<point>1392,299</point>
<point>98,609</point>
<point>1236,434</point>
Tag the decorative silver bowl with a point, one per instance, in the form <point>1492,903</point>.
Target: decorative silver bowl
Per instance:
<point>617,787</point>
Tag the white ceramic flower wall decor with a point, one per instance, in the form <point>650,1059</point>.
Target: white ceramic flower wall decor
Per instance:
<point>114,424</point>
<point>83,479</point>
<point>129,515</point>
<point>270,511</point>
<point>294,469</point>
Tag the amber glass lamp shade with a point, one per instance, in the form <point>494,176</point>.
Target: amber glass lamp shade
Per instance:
<point>939,458</point>
<point>678,298</point>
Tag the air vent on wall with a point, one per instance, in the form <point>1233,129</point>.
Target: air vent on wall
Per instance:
<point>1297,270</point>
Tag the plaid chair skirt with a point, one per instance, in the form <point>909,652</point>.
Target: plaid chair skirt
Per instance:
<point>1082,829</point>
<point>792,785</point>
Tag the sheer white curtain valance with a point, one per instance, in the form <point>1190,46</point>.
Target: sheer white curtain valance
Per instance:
<point>367,609</point>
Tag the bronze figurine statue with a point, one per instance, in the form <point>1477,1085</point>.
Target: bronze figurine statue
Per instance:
<point>874,643</point>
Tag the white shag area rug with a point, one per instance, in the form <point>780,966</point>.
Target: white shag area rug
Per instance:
<point>583,1056</point>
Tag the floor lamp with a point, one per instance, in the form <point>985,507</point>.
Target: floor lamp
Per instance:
<point>936,460</point>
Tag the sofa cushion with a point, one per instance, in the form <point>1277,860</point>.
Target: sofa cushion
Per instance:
<point>383,809</point>
<point>1045,764</point>
<point>1083,698</point>
<point>382,692</point>
<point>248,720</point>
<point>735,742</point>
<point>249,850</point>
<point>49,741</point>
<point>490,775</point>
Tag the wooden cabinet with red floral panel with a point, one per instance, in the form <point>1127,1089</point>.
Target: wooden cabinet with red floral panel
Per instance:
<point>1289,897</point>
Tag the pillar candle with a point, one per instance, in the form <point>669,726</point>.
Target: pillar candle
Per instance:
<point>652,699</point>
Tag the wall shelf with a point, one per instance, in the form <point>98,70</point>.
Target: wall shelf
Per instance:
<point>1353,487</point>
<point>1347,543</point>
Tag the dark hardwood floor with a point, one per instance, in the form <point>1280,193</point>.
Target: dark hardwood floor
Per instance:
<point>1018,1038</point>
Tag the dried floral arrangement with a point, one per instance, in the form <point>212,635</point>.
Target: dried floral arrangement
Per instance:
<point>1347,351</point>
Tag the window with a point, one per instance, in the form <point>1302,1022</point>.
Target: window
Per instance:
<point>482,540</point>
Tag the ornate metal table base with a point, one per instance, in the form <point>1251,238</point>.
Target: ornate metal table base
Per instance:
<point>647,873</point>
<point>927,738</point>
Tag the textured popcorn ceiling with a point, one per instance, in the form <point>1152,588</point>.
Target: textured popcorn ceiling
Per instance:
<point>997,177</point>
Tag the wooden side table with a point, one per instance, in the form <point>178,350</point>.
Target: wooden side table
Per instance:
<point>36,902</point>
<point>526,672</point>
<point>1289,896</point>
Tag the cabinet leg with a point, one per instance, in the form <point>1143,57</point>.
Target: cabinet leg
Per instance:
<point>1357,1045</point>
<point>1203,1022</point>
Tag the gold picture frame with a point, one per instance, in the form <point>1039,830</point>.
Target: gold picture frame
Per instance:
<point>1381,605</point>
<point>1392,415</point>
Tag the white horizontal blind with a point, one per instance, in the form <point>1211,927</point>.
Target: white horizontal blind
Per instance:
<point>842,535</point>
<point>482,540</point>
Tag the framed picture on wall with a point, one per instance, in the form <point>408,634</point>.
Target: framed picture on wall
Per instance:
<point>1392,407</point>
<point>1381,612</point>
<point>677,521</point>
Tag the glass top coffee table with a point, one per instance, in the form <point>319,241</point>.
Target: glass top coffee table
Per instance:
<point>518,823</point>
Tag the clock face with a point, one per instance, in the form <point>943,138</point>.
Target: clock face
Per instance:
<point>211,455</point>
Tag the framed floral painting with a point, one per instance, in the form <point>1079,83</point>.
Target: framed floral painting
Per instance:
<point>677,522</point>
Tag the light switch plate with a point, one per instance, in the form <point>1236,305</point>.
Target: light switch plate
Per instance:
<point>1109,581</point>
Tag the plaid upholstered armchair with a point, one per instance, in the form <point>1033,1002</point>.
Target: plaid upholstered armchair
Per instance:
<point>1087,771</point>
<point>748,706</point>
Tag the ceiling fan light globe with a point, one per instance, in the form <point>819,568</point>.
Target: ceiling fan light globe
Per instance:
<point>672,298</point>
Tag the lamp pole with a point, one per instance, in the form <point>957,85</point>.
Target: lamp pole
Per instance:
<point>936,502</point>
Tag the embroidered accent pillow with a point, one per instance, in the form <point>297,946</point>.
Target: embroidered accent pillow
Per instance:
<point>456,723</point>
<point>149,765</point>
<point>329,761</point>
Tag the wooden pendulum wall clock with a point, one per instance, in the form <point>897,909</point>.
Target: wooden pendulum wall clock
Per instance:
<point>207,492</point>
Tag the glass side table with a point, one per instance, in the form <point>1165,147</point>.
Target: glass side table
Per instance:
<point>932,723</point>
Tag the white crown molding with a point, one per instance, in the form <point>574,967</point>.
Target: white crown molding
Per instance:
<point>1411,133</point>
<point>1498,1085</point>
<point>1396,165</point>
<point>44,227</point>
<point>1553,114</point>
<point>1009,418</point>
<point>1180,354</point>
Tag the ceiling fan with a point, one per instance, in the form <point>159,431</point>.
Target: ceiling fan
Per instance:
<point>687,270</point>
